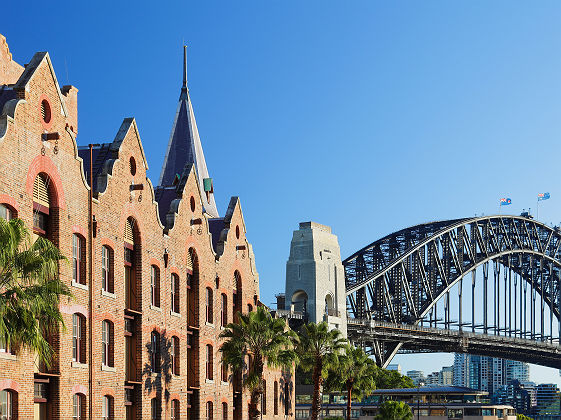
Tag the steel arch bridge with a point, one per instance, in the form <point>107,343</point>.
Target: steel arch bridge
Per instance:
<point>400,290</point>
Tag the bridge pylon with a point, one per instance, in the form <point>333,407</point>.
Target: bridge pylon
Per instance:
<point>315,278</point>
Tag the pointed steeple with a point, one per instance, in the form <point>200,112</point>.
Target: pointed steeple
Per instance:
<point>185,148</point>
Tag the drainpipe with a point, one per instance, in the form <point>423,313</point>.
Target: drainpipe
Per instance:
<point>90,289</point>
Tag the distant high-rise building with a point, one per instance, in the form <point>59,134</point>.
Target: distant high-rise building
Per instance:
<point>396,367</point>
<point>447,375</point>
<point>417,376</point>
<point>516,395</point>
<point>546,394</point>
<point>487,373</point>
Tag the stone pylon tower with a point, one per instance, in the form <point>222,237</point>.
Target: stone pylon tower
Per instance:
<point>315,280</point>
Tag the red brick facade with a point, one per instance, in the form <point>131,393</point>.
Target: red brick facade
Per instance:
<point>120,323</point>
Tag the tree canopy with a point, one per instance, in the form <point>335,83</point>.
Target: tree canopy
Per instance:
<point>30,289</point>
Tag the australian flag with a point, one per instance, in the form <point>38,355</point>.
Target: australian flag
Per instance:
<point>505,201</point>
<point>543,196</point>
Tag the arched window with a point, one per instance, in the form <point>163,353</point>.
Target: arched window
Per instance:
<point>175,410</point>
<point>78,259</point>
<point>224,411</point>
<point>264,398</point>
<point>78,407</point>
<point>224,312</point>
<point>107,276</point>
<point>237,293</point>
<point>78,338</point>
<point>276,398</point>
<point>41,206</point>
<point>209,306</point>
<point>8,405</point>
<point>155,408</point>
<point>155,286</point>
<point>155,351</point>
<point>249,308</point>
<point>107,343</point>
<point>6,212</point>
<point>132,260</point>
<point>107,407</point>
<point>175,293</point>
<point>209,362</point>
<point>192,288</point>
<point>175,360</point>
<point>209,413</point>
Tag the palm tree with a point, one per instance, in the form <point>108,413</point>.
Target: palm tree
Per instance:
<point>258,337</point>
<point>29,289</point>
<point>318,350</point>
<point>355,374</point>
<point>394,410</point>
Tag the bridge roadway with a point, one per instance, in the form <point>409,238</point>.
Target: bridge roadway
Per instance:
<point>417,339</point>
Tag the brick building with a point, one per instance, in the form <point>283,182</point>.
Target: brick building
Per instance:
<point>155,275</point>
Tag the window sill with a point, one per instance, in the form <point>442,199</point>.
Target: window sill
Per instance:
<point>224,383</point>
<point>79,285</point>
<point>208,324</point>
<point>156,308</point>
<point>155,374</point>
<point>108,294</point>
<point>7,356</point>
<point>105,368</point>
<point>209,381</point>
<point>79,365</point>
<point>175,314</point>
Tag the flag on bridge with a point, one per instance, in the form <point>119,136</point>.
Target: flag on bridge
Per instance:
<point>543,196</point>
<point>505,201</point>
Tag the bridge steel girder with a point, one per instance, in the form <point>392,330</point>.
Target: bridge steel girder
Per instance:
<point>401,277</point>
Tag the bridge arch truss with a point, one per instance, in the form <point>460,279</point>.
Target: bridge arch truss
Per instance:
<point>509,265</point>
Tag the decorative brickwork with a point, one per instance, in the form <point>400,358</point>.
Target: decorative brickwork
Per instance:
<point>139,227</point>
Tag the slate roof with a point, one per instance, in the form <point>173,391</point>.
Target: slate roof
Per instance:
<point>185,148</point>
<point>100,154</point>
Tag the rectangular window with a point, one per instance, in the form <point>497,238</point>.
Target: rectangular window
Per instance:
<point>106,269</point>
<point>78,262</point>
<point>224,310</point>
<point>276,399</point>
<point>155,286</point>
<point>77,343</point>
<point>175,293</point>
<point>209,362</point>
<point>209,304</point>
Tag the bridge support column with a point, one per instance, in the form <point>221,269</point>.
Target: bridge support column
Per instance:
<point>315,278</point>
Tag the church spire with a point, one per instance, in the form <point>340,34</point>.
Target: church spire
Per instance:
<point>184,66</point>
<point>185,148</point>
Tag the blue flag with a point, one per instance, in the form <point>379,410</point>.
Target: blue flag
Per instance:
<point>505,201</point>
<point>543,196</point>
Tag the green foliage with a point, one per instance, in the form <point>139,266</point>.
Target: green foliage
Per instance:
<point>318,350</point>
<point>523,417</point>
<point>30,289</point>
<point>394,410</point>
<point>319,347</point>
<point>389,379</point>
<point>264,338</point>
<point>355,371</point>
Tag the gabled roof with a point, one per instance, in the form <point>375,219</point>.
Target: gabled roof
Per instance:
<point>29,71</point>
<point>185,148</point>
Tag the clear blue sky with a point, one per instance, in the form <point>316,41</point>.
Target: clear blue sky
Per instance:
<point>368,116</point>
